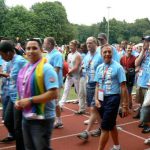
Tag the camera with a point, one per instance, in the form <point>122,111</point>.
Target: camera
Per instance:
<point>120,112</point>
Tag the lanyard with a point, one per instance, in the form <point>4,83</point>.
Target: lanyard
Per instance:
<point>27,74</point>
<point>127,59</point>
<point>89,64</point>
<point>104,75</point>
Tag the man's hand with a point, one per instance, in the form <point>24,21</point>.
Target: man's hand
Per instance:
<point>97,103</point>
<point>125,112</point>
<point>23,103</point>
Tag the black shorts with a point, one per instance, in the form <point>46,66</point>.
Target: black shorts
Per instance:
<point>109,110</point>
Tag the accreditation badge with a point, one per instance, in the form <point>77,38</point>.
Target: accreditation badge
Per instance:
<point>101,94</point>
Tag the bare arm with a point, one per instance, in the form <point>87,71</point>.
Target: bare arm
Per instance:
<point>124,97</point>
<point>5,75</point>
<point>57,69</point>
<point>97,102</point>
<point>0,69</point>
<point>139,58</point>
<point>77,65</point>
<point>43,98</point>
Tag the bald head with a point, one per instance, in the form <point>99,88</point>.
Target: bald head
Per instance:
<point>91,43</point>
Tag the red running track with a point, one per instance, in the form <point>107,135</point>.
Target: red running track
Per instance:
<point>130,135</point>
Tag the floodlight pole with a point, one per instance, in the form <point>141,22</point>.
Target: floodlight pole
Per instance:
<point>108,8</point>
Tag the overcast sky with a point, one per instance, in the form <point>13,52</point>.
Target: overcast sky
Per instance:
<point>92,11</point>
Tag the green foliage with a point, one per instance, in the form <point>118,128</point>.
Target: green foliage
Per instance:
<point>19,24</point>
<point>50,19</point>
<point>3,13</point>
<point>135,39</point>
<point>118,31</point>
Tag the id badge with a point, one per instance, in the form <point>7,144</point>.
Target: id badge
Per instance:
<point>140,72</point>
<point>101,95</point>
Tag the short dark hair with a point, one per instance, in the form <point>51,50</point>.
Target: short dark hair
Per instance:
<point>35,40</point>
<point>7,46</point>
<point>102,35</point>
<point>147,38</point>
<point>51,40</point>
<point>106,45</point>
<point>75,43</point>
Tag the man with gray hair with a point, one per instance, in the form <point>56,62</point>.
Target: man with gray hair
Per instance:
<point>55,58</point>
<point>91,61</point>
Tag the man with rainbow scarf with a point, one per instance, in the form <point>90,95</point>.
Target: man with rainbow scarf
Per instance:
<point>37,88</point>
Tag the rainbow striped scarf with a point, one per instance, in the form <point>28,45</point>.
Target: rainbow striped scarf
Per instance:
<point>33,86</point>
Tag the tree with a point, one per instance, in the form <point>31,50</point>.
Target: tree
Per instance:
<point>51,20</point>
<point>135,39</point>
<point>19,23</point>
<point>3,13</point>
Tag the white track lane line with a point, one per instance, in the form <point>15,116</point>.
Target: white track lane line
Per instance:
<point>8,147</point>
<point>64,116</point>
<point>67,136</point>
<point>132,134</point>
<point>75,111</point>
<point>119,125</point>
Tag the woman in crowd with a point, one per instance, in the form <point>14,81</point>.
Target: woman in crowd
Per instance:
<point>128,63</point>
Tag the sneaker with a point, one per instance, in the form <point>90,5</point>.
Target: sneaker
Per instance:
<point>80,112</point>
<point>75,102</point>
<point>86,122</point>
<point>58,125</point>
<point>142,125</point>
<point>146,129</point>
<point>7,140</point>
<point>96,132</point>
<point>83,135</point>
<point>147,141</point>
<point>115,149</point>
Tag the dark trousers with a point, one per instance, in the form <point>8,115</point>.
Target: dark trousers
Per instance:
<point>18,129</point>
<point>9,117</point>
<point>13,123</point>
<point>37,134</point>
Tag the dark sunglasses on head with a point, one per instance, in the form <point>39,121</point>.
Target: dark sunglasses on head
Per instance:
<point>100,39</point>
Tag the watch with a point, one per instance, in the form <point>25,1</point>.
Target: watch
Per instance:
<point>31,100</point>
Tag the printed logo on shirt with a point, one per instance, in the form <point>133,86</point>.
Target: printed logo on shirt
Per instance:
<point>52,79</point>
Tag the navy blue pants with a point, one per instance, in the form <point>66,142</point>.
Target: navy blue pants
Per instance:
<point>109,110</point>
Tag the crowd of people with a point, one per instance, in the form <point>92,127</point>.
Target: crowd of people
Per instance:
<point>103,76</point>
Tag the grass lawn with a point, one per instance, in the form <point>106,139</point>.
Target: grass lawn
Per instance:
<point>72,95</point>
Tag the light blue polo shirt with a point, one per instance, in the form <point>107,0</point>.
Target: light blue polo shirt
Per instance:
<point>13,67</point>
<point>4,86</point>
<point>55,58</point>
<point>144,71</point>
<point>113,77</point>
<point>1,61</point>
<point>90,63</point>
<point>50,81</point>
<point>135,53</point>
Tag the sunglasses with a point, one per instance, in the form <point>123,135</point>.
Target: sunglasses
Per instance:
<point>100,39</point>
